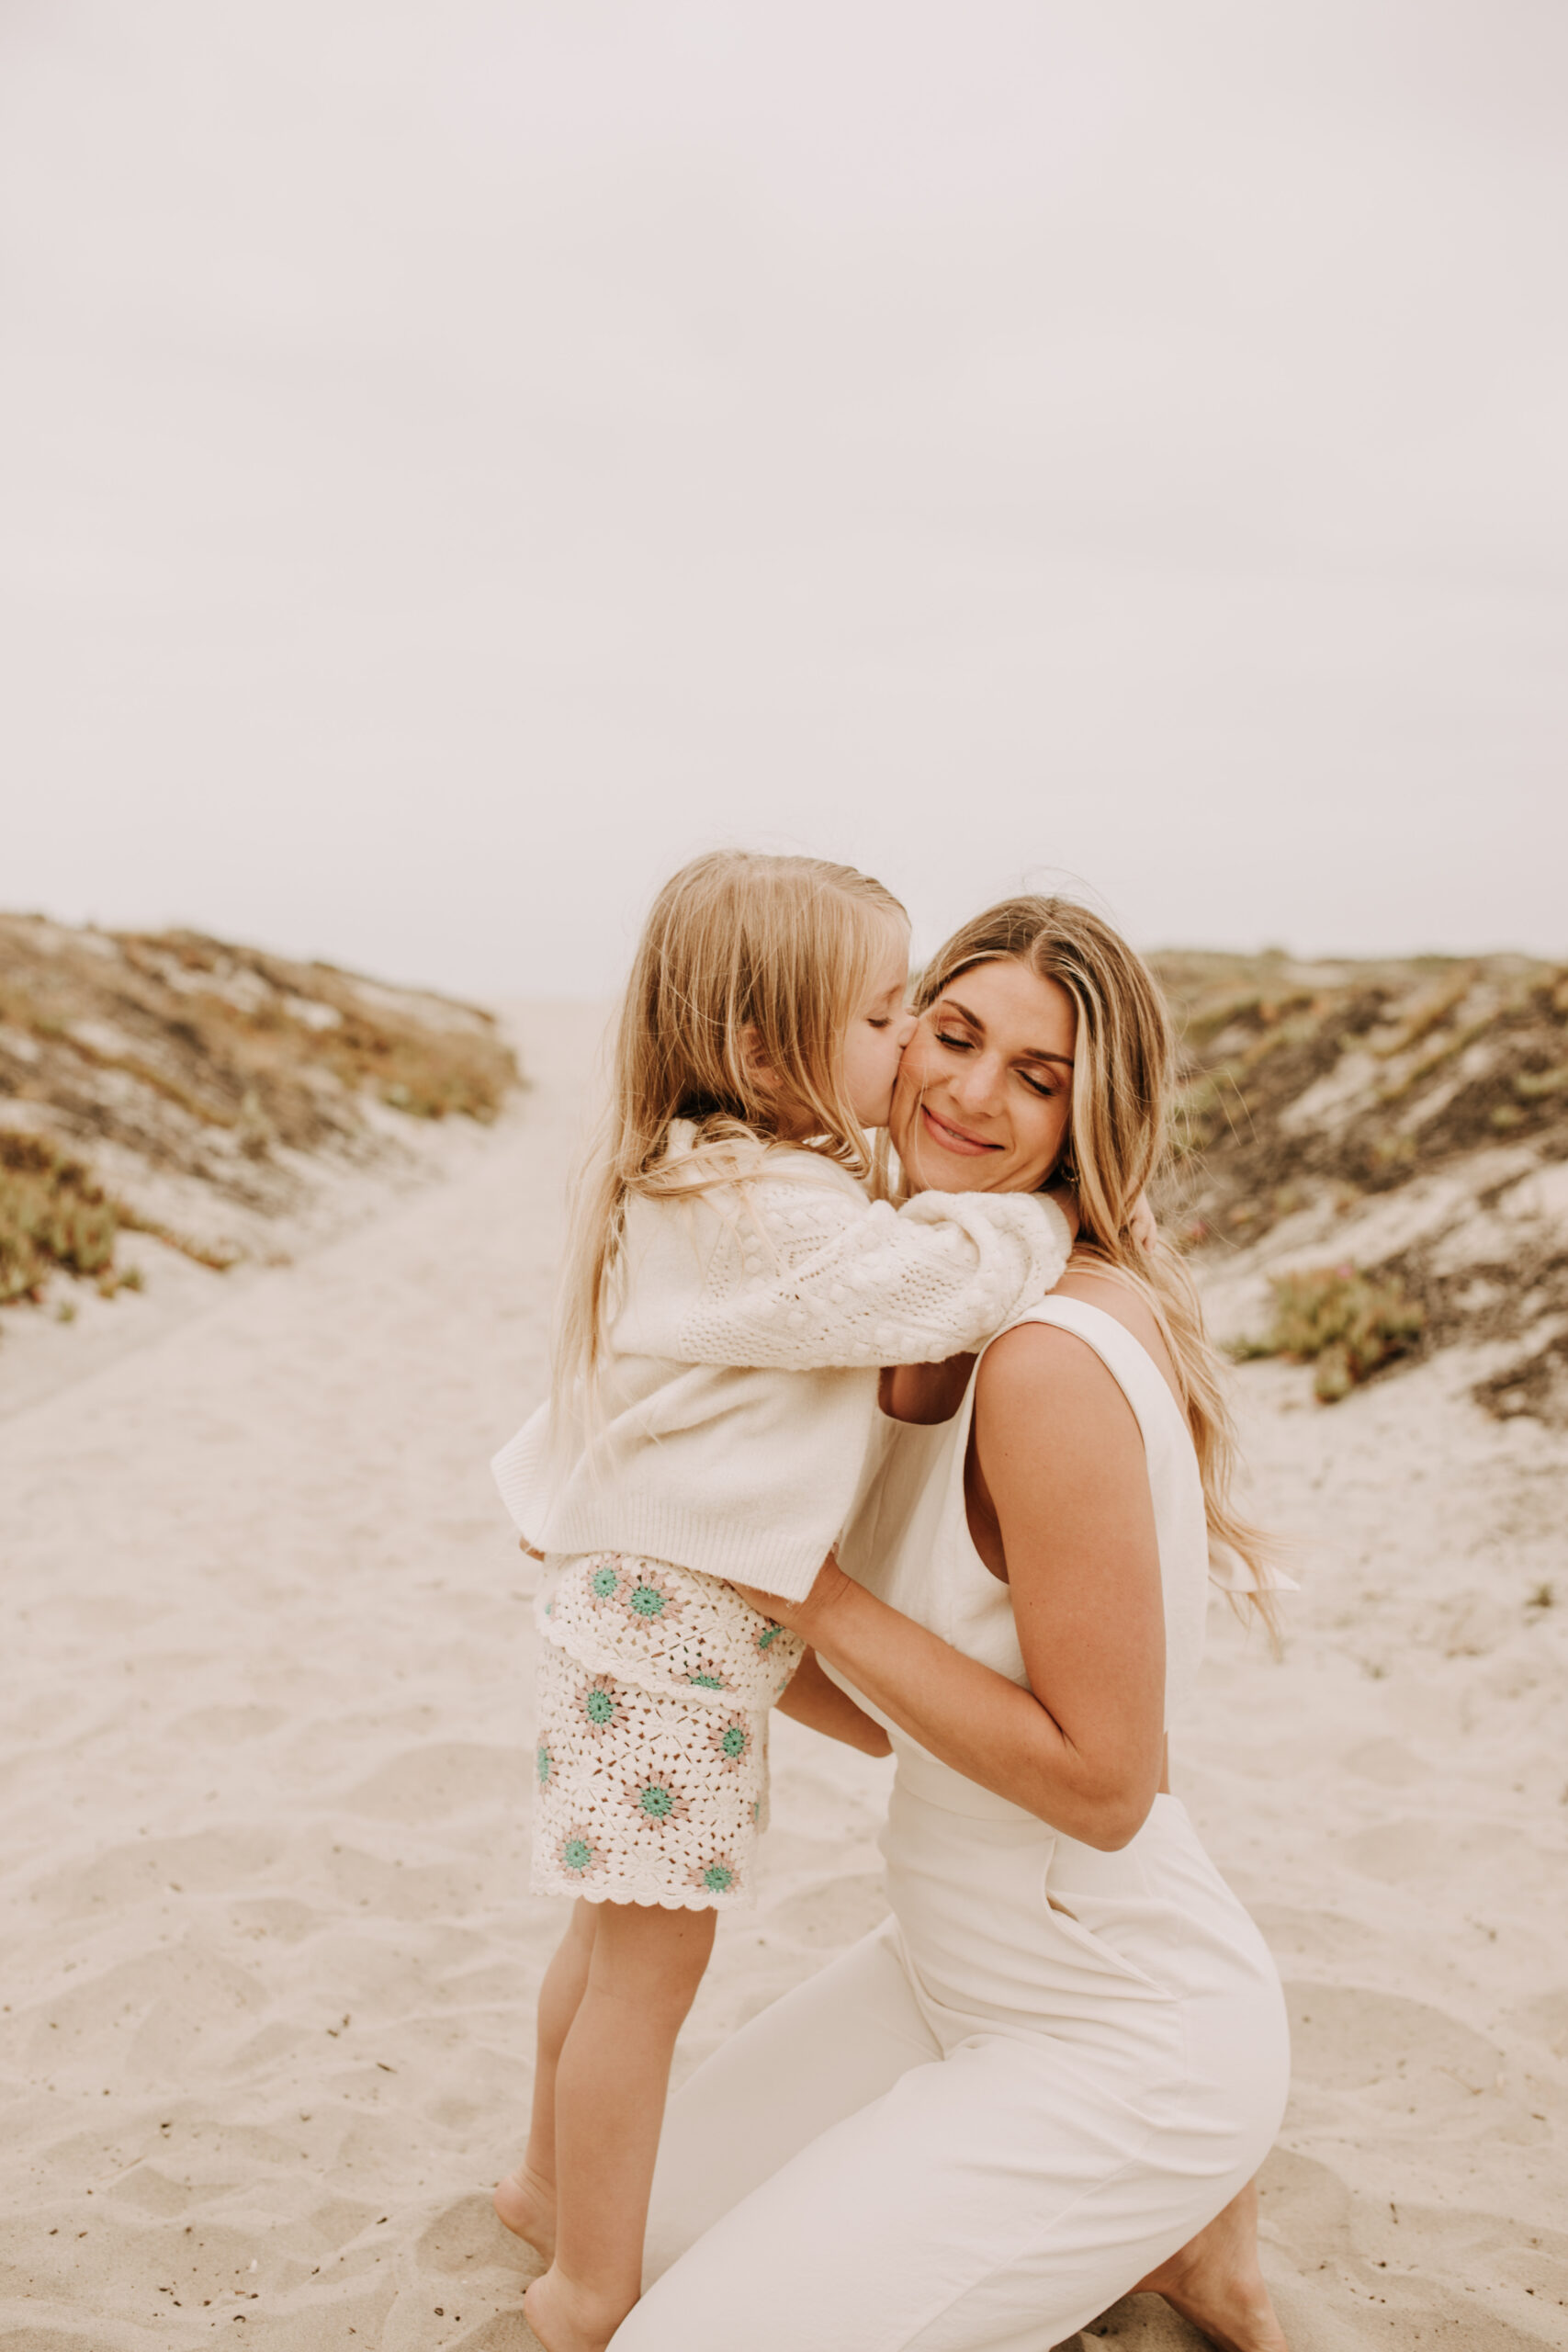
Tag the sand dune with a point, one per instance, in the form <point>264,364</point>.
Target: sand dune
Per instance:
<point>268,1957</point>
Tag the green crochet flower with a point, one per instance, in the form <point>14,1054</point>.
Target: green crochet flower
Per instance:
<point>768,1636</point>
<point>576,1854</point>
<point>603,1583</point>
<point>646,1600</point>
<point>717,1879</point>
<point>656,1801</point>
<point>600,1704</point>
<point>735,1740</point>
<point>542,1763</point>
<point>707,1681</point>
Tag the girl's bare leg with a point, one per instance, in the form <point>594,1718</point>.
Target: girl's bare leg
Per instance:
<point>525,2200</point>
<point>611,2080</point>
<point>1215,2281</point>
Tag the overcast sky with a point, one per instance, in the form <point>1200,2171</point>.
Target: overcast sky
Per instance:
<point>460,459</point>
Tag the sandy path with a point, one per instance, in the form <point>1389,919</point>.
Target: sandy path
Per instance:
<point>263,1792</point>
<point>263,1789</point>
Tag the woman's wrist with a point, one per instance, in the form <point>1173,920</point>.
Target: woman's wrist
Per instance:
<point>813,1617</point>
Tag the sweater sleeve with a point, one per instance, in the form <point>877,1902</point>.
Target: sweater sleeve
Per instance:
<point>807,1275</point>
<point>518,1471</point>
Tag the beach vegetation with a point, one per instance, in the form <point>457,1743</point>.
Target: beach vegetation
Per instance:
<point>1425,1011</point>
<point>166,1038</point>
<point>54,1217</point>
<point>1314,1086</point>
<point>212,1071</point>
<point>204,1074</point>
<point>1346,1323</point>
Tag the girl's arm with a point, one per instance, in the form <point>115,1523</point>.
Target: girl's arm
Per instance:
<point>812,1700</point>
<point>806,1274</point>
<point>926,1393</point>
<point>1082,1748</point>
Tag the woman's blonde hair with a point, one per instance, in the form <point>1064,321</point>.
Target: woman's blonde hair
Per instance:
<point>1116,1143</point>
<point>747,975</point>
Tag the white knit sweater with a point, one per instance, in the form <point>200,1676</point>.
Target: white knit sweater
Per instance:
<point>738,1393</point>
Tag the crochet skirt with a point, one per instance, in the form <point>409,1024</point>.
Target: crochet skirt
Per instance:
<point>655,1684</point>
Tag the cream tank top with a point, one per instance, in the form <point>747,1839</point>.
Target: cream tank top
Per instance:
<point>908,1542</point>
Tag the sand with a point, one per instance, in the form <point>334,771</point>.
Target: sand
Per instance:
<point>268,1958</point>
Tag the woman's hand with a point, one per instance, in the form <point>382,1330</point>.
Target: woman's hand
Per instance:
<point>801,1616</point>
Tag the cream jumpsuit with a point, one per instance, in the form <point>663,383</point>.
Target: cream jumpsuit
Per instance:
<point>1044,2072</point>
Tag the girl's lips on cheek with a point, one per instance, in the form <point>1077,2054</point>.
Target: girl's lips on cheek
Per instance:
<point>954,1139</point>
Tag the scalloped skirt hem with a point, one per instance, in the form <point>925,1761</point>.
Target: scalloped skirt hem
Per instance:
<point>550,1884</point>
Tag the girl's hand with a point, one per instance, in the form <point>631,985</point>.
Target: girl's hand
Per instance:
<point>1141,1224</point>
<point>523,1545</point>
<point>801,1616</point>
<point>924,1392</point>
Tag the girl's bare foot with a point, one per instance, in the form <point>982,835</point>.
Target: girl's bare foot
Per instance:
<point>565,2318</point>
<point>527,2206</point>
<point>1216,2284</point>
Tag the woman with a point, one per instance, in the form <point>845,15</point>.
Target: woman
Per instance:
<point>1065,2055</point>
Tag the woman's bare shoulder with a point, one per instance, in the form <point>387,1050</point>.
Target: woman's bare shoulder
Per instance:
<point>1042,1376</point>
<point>1029,1341</point>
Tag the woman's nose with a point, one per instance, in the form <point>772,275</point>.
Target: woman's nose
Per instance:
<point>975,1085</point>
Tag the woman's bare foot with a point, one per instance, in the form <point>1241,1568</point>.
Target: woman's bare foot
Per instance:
<point>1216,2284</point>
<point>527,2206</point>
<point>565,2318</point>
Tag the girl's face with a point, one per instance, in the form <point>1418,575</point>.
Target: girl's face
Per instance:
<point>985,1089</point>
<point>882,1027</point>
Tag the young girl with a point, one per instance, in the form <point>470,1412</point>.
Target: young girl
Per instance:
<point>730,1294</point>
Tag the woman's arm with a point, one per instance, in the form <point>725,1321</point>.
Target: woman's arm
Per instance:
<point>811,1699</point>
<point>1062,1461</point>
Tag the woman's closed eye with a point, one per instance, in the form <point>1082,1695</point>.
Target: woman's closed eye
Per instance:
<point>962,1045</point>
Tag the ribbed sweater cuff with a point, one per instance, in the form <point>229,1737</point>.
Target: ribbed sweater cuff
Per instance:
<point>739,1551</point>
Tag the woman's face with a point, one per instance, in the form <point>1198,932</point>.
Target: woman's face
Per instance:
<point>985,1087</point>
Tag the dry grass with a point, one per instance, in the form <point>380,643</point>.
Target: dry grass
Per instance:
<point>217,1066</point>
<point>233,1038</point>
<point>161,1042</point>
<point>1313,1088</point>
<point>53,1218</point>
<point>1348,1324</point>
<point>1425,1061</point>
<point>263,1029</point>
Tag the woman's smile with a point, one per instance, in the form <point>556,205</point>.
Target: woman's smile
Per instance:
<point>953,1138</point>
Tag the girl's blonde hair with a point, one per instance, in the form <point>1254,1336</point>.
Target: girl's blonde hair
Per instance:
<point>747,977</point>
<point>1123,1071</point>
